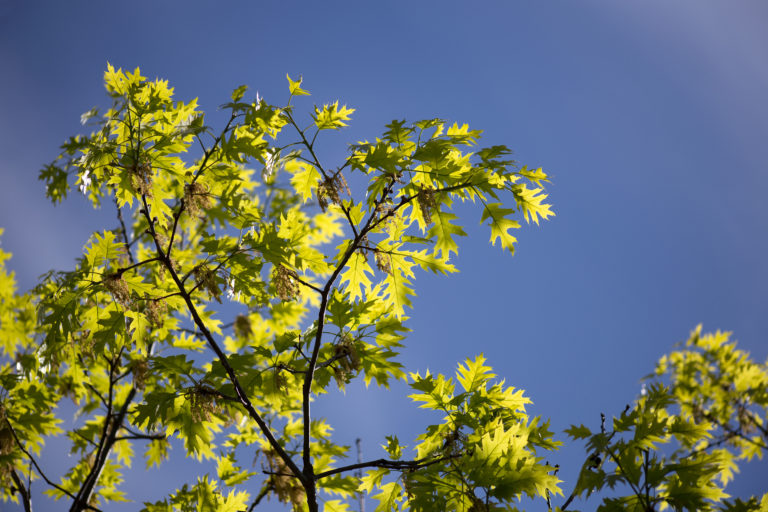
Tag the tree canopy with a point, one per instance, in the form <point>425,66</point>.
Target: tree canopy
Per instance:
<point>245,277</point>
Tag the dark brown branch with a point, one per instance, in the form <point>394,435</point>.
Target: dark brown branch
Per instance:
<point>309,476</point>
<point>96,392</point>
<point>762,428</point>
<point>21,489</point>
<point>148,437</point>
<point>735,432</point>
<point>192,331</point>
<point>112,425</point>
<point>398,465</point>
<point>81,436</point>
<point>207,390</point>
<point>308,285</point>
<point>160,298</point>
<point>568,501</point>
<point>122,270</point>
<point>84,493</point>
<point>242,397</point>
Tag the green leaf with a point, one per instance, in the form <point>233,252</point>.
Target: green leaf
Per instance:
<point>157,452</point>
<point>356,275</point>
<point>578,432</point>
<point>444,231</point>
<point>294,86</point>
<point>229,473</point>
<point>330,117</point>
<point>500,225</point>
<point>474,374</point>
<point>238,93</point>
<point>139,327</point>
<point>388,496</point>
<point>530,200</point>
<point>56,186</point>
<point>335,506</point>
<point>104,249</point>
<point>305,178</point>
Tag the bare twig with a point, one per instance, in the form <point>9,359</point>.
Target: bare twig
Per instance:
<point>40,470</point>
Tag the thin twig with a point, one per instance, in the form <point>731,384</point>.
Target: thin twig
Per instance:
<point>262,494</point>
<point>40,470</point>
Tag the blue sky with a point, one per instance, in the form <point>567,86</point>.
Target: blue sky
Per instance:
<point>651,117</point>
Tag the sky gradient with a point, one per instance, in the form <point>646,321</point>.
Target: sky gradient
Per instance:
<point>650,117</point>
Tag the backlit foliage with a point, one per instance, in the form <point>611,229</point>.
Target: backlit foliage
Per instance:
<point>317,262</point>
<point>702,412</point>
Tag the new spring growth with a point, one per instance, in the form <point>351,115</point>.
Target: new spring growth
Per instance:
<point>141,177</point>
<point>197,197</point>
<point>156,311</point>
<point>346,354</point>
<point>383,261</point>
<point>242,326</point>
<point>278,380</point>
<point>202,403</point>
<point>116,285</point>
<point>140,370</point>
<point>426,200</point>
<point>287,487</point>
<point>7,443</point>
<point>6,436</point>
<point>285,283</point>
<point>206,279</point>
<point>329,190</point>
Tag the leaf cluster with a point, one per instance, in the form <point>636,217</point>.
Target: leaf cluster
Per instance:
<point>701,412</point>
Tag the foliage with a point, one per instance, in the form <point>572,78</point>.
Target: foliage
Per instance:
<point>319,261</point>
<point>703,410</point>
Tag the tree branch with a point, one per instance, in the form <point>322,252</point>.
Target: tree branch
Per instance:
<point>242,397</point>
<point>309,377</point>
<point>21,489</point>
<point>112,425</point>
<point>155,437</point>
<point>398,465</point>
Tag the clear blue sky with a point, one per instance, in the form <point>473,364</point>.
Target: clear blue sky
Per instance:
<point>651,117</point>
